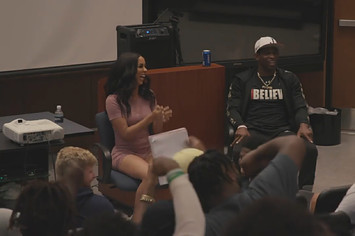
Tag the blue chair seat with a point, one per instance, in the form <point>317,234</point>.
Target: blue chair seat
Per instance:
<point>123,181</point>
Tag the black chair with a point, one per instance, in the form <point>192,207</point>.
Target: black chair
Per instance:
<point>324,204</point>
<point>338,222</point>
<point>328,200</point>
<point>114,184</point>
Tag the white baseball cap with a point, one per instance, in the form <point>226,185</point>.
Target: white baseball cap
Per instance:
<point>264,42</point>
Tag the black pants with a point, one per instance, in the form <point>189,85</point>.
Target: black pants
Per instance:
<point>307,172</point>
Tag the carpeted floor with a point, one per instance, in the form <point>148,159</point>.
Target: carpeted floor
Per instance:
<point>335,165</point>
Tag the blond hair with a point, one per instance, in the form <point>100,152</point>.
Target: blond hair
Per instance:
<point>69,157</point>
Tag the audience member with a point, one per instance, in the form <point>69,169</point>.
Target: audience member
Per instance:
<point>247,144</point>
<point>277,217</point>
<point>195,142</point>
<point>149,183</point>
<point>109,224</point>
<point>159,219</point>
<point>43,209</point>
<point>5,215</point>
<point>347,204</point>
<point>75,166</point>
<point>279,179</point>
<point>268,102</point>
<point>274,166</point>
<point>133,111</point>
<point>337,222</point>
<point>214,177</point>
<point>145,193</point>
<point>189,218</point>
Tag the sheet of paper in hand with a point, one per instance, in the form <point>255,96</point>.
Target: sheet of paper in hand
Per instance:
<point>168,143</point>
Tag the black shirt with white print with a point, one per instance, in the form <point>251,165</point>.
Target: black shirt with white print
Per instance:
<point>267,110</point>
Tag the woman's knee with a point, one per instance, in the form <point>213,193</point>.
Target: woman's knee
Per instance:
<point>134,166</point>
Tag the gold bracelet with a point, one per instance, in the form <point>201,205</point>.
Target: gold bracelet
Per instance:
<point>146,198</point>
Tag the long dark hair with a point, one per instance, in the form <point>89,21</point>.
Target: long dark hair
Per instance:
<point>122,82</point>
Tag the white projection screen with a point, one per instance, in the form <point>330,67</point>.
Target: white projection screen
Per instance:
<point>50,33</point>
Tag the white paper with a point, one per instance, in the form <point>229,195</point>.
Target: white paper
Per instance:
<point>168,143</point>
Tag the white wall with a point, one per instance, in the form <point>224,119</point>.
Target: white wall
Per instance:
<point>48,33</point>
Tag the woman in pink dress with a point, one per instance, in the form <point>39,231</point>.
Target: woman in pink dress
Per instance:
<point>133,111</point>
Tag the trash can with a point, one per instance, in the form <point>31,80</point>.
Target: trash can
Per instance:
<point>326,126</point>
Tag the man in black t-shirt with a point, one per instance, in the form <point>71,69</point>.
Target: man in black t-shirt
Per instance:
<point>267,102</point>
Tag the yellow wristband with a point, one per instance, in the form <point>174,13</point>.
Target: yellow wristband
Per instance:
<point>147,198</point>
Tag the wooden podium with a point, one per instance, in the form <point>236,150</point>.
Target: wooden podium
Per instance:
<point>196,94</point>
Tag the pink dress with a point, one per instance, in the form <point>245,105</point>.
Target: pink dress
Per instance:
<point>138,146</point>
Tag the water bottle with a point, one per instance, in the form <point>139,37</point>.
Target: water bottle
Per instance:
<point>59,115</point>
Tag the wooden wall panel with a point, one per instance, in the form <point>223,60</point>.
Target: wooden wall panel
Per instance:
<point>343,78</point>
<point>196,95</point>
<point>11,99</point>
<point>76,91</point>
<point>313,87</point>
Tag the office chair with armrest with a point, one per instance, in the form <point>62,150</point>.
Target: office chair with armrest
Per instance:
<point>328,200</point>
<point>338,222</point>
<point>324,204</point>
<point>114,184</point>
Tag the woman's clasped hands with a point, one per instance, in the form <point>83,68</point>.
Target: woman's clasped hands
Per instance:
<point>164,113</point>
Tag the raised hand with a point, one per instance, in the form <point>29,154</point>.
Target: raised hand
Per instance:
<point>194,142</point>
<point>162,165</point>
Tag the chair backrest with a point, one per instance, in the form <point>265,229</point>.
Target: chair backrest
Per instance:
<point>106,173</point>
<point>329,199</point>
<point>105,130</point>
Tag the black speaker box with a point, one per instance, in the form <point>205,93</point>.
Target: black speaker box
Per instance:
<point>153,41</point>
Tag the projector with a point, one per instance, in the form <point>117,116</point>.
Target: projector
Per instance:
<point>32,131</point>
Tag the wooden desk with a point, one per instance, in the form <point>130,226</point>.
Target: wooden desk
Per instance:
<point>19,162</point>
<point>196,95</point>
<point>70,128</point>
